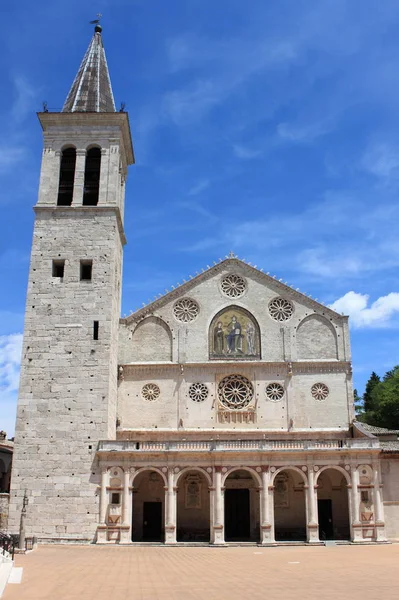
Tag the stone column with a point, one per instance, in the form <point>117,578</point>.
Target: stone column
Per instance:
<point>102,521</point>
<point>170,513</point>
<point>218,528</point>
<point>357,534</point>
<point>104,174</point>
<point>103,496</point>
<point>126,519</point>
<point>378,506</point>
<point>266,526</point>
<point>78,185</point>
<point>312,527</point>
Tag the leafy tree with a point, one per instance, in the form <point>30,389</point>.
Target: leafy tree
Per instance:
<point>368,401</point>
<point>385,400</point>
<point>358,402</point>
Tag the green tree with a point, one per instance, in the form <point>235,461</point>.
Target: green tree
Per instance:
<point>385,400</point>
<point>368,402</point>
<point>358,402</point>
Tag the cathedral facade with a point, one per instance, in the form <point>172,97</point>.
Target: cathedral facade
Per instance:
<point>222,412</point>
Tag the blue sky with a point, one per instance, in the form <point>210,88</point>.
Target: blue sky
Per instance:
<point>266,128</point>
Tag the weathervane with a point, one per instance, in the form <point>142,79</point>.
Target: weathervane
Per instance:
<point>97,23</point>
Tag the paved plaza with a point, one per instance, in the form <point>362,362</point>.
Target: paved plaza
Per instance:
<point>233,573</point>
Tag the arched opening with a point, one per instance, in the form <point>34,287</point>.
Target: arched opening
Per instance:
<point>67,177</point>
<point>193,508</point>
<point>289,507</point>
<point>241,507</point>
<point>233,334</point>
<point>332,504</point>
<point>92,177</point>
<point>148,520</point>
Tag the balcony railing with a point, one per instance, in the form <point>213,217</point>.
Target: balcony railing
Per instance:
<point>237,445</point>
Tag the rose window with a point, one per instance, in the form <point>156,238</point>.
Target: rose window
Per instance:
<point>235,391</point>
<point>150,391</point>
<point>198,392</point>
<point>281,309</point>
<point>186,310</point>
<point>274,392</point>
<point>233,286</point>
<point>320,391</point>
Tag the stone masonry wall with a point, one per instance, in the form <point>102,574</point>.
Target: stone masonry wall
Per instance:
<point>68,379</point>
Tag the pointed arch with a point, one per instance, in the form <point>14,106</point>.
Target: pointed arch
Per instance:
<point>316,338</point>
<point>234,333</point>
<point>152,341</point>
<point>67,176</point>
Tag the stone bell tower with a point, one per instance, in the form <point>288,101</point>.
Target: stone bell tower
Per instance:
<point>68,388</point>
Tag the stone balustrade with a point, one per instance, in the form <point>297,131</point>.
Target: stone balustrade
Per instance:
<point>237,445</point>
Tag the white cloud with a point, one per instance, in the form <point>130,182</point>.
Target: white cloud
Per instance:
<point>245,152</point>
<point>10,357</point>
<point>378,314</point>
<point>199,187</point>
<point>303,134</point>
<point>25,98</point>
<point>382,160</point>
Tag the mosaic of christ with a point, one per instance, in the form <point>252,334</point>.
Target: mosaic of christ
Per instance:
<point>233,334</point>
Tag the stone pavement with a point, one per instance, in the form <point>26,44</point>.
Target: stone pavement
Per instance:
<point>232,573</point>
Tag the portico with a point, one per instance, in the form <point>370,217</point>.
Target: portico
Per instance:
<point>267,492</point>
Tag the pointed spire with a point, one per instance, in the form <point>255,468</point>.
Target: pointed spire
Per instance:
<point>91,91</point>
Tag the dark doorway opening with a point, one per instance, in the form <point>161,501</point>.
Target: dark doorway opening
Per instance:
<point>326,527</point>
<point>152,521</point>
<point>236,515</point>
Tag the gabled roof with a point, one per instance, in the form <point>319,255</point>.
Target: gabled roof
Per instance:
<point>91,90</point>
<point>230,262</point>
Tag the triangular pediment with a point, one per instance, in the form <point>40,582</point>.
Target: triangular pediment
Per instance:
<point>229,264</point>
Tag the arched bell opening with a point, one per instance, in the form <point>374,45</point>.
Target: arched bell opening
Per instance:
<point>67,177</point>
<point>332,505</point>
<point>92,177</point>
<point>148,521</point>
<point>241,507</point>
<point>289,507</point>
<point>193,508</point>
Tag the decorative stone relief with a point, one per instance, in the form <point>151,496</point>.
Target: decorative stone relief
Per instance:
<point>193,492</point>
<point>198,392</point>
<point>281,498</point>
<point>150,392</point>
<point>233,286</point>
<point>186,310</point>
<point>274,392</point>
<point>235,391</point>
<point>320,391</point>
<point>281,309</point>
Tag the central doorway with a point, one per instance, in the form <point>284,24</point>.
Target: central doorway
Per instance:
<point>326,527</point>
<point>152,521</point>
<point>236,515</point>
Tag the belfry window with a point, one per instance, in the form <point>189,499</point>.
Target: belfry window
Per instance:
<point>92,177</point>
<point>67,176</point>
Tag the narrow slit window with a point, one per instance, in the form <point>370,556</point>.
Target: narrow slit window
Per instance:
<point>115,498</point>
<point>86,267</point>
<point>92,177</point>
<point>67,177</point>
<point>58,268</point>
<point>95,330</point>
